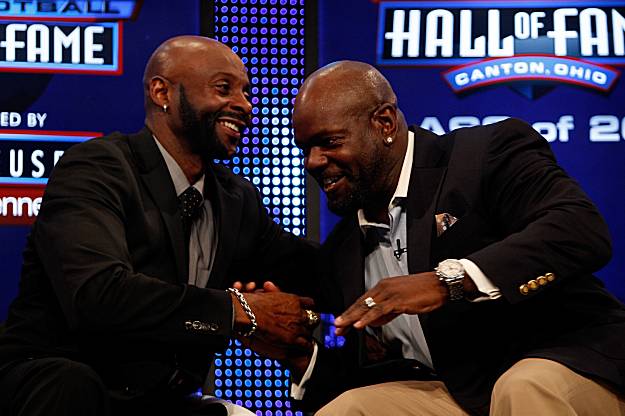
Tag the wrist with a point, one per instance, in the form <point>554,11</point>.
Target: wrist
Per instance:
<point>241,320</point>
<point>451,274</point>
<point>244,319</point>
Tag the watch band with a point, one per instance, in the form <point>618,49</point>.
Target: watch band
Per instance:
<point>456,288</point>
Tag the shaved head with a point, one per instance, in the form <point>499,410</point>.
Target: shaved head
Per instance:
<point>196,93</point>
<point>353,136</point>
<point>181,56</point>
<point>357,86</point>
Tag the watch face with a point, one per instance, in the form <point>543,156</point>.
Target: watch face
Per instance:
<point>450,268</point>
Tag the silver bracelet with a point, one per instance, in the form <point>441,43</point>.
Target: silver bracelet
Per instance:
<point>248,312</point>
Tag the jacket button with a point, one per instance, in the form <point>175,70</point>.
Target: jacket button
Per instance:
<point>524,289</point>
<point>542,280</point>
<point>550,276</point>
<point>533,284</point>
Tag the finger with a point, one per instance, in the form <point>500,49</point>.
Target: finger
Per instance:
<point>353,313</point>
<point>301,326</point>
<point>373,315</point>
<point>250,286</point>
<point>237,285</point>
<point>306,302</point>
<point>296,340</point>
<point>341,331</point>
<point>303,343</point>
<point>384,319</point>
<point>270,287</point>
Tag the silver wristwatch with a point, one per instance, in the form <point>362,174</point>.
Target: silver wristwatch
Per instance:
<point>451,272</point>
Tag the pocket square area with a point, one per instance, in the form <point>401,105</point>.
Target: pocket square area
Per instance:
<point>443,222</point>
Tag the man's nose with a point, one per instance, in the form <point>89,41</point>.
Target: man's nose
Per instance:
<point>316,159</point>
<point>241,103</point>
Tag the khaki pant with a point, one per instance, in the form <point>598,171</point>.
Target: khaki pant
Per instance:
<point>532,387</point>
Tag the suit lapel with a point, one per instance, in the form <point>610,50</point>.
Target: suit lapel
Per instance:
<point>158,181</point>
<point>349,265</point>
<point>425,183</point>
<point>227,205</point>
<point>421,205</point>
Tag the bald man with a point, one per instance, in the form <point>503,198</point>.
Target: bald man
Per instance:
<point>122,298</point>
<point>461,269</point>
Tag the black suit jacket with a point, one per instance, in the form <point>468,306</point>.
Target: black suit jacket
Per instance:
<point>104,279</point>
<point>520,217</point>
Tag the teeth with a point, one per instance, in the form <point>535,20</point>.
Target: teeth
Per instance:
<point>230,125</point>
<point>330,181</point>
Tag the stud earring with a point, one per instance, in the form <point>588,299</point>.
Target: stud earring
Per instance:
<point>388,140</point>
<point>165,107</point>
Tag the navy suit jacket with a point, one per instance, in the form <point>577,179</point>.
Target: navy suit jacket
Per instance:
<point>519,217</point>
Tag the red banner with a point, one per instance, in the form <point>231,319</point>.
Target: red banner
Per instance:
<point>19,204</point>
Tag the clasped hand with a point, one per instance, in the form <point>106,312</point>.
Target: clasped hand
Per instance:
<point>283,331</point>
<point>393,296</point>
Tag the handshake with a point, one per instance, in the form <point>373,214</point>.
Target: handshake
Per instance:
<point>275,324</point>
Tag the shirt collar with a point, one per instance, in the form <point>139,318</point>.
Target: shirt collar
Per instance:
<point>401,191</point>
<point>181,183</point>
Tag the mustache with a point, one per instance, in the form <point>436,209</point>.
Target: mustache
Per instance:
<point>245,118</point>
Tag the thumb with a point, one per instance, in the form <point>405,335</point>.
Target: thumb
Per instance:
<point>270,287</point>
<point>306,302</point>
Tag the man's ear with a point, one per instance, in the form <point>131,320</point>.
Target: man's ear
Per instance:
<point>159,89</point>
<point>384,120</point>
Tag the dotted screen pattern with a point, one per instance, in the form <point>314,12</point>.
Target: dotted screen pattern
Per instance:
<point>268,35</point>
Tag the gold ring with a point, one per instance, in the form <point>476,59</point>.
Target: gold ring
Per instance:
<point>313,318</point>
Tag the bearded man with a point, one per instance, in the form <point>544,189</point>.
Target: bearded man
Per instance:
<point>121,299</point>
<point>461,269</point>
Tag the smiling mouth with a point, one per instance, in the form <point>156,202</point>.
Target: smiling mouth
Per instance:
<point>235,128</point>
<point>330,183</point>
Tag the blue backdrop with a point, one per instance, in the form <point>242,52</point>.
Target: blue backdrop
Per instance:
<point>269,37</point>
<point>88,102</point>
<point>349,30</point>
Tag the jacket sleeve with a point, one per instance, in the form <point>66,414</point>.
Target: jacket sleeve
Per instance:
<point>274,254</point>
<point>80,237</point>
<point>548,225</point>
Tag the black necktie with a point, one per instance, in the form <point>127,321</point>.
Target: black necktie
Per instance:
<point>190,202</point>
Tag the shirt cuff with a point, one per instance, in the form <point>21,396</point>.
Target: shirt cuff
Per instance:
<point>298,390</point>
<point>483,283</point>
